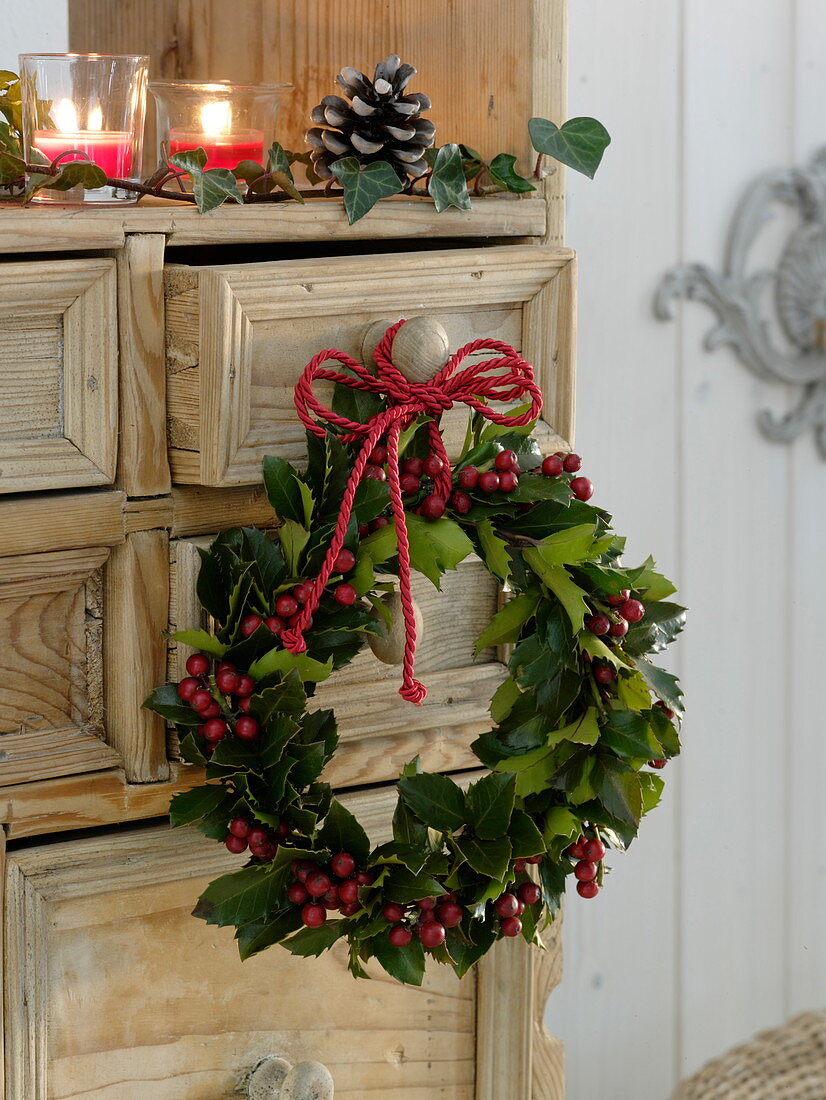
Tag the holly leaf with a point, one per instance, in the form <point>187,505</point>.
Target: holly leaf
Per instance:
<point>192,805</point>
<point>618,788</point>
<point>552,881</point>
<point>652,584</point>
<point>201,639</point>
<point>255,936</point>
<point>629,735</point>
<point>662,623</point>
<point>405,886</point>
<point>448,186</point>
<point>506,625</point>
<point>164,700</point>
<point>665,685</point>
<point>487,857</point>
<point>526,839</point>
<point>342,832</point>
<point>293,537</point>
<point>239,897</point>
<point>407,829</point>
<point>283,662</point>
<point>405,964</point>
<point>312,942</point>
<point>489,804</point>
<point>435,799</point>
<point>502,170</point>
<point>556,578</point>
<point>494,549</point>
<point>504,699</point>
<point>282,485</point>
<point>364,184</point>
<point>580,142</point>
<point>436,546</point>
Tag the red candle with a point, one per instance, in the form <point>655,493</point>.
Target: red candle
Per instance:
<point>222,150</point>
<point>109,149</point>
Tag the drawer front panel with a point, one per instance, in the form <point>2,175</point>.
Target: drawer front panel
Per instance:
<point>379,733</point>
<point>58,374</point>
<point>239,336</point>
<point>115,992</point>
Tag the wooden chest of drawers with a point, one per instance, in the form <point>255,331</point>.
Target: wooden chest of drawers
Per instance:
<point>145,369</point>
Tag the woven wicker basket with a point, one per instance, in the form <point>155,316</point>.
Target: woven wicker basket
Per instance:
<point>787,1063</point>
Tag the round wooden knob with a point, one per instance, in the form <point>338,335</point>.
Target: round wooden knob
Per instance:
<point>421,349</point>
<point>371,338</point>
<point>389,645</point>
<point>267,1078</point>
<point>307,1081</point>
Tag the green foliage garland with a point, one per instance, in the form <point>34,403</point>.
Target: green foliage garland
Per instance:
<point>580,726</point>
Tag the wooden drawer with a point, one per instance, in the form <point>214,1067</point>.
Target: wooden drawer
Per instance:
<point>114,991</point>
<point>58,374</point>
<point>238,337</point>
<point>379,733</point>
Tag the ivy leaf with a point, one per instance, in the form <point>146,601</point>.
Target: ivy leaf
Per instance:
<point>503,172</point>
<point>448,186</point>
<point>435,799</point>
<point>506,624</point>
<point>315,941</point>
<point>213,188</point>
<point>405,964</point>
<point>494,549</point>
<point>487,857</point>
<point>255,936</point>
<point>364,184</point>
<point>342,832</point>
<point>201,639</point>
<point>11,168</point>
<point>580,142</point>
<point>164,700</point>
<point>665,685</point>
<point>283,662</point>
<point>278,165</point>
<point>436,546</point>
<point>192,805</point>
<point>78,173</point>
<point>618,788</point>
<point>489,804</point>
<point>239,897</point>
<point>281,483</point>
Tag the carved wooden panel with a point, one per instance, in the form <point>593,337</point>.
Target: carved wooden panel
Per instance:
<point>238,337</point>
<point>58,382</point>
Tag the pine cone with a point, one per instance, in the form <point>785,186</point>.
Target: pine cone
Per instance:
<point>375,122</point>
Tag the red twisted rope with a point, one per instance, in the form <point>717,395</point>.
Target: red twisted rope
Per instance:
<point>474,386</point>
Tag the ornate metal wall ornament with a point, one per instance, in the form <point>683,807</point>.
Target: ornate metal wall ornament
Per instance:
<point>797,307</point>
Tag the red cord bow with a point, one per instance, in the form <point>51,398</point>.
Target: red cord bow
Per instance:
<point>473,386</point>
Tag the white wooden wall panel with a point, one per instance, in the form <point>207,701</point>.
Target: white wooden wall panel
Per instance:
<point>716,924</point>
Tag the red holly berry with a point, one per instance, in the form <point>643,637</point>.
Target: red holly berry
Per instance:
<point>235,844</point>
<point>212,710</point>
<point>660,705</point>
<point>632,610</point>
<point>432,466</point>
<point>313,915</point>
<point>529,893</point>
<point>489,481</point>
<point>348,891</point>
<point>618,629</point>
<point>227,681</point>
<point>350,908</point>
<point>215,729</point>
<point>598,624</point>
<point>534,859</point>
<point>508,481</point>
<point>506,905</point>
<point>577,849</point>
<point>247,728</point>
<point>585,870</point>
<point>449,914</point>
<point>283,830</point>
<point>317,884</point>
<point>593,849</point>
<point>345,560</point>
<point>274,625</point>
<point>571,463</point>
<point>197,665</point>
<point>426,915</point>
<point>375,472</point>
<point>364,878</point>
<point>409,484</point>
<point>343,865</point>
<point>378,456</point>
<point>658,764</point>
<point>582,488</point>
<point>587,889</point>
<point>519,866</point>
<point>460,502</point>
<point>187,688</point>
<point>330,900</point>
<point>511,926</point>
<point>301,868</point>
<point>303,591</point>
<point>246,686</point>
<point>392,912</point>
<point>505,460</point>
<point>201,699</point>
<point>603,674</point>
<point>433,506</point>
<point>286,606</point>
<point>432,933</point>
<point>400,936</point>
<point>249,625</point>
<point>619,599</point>
<point>239,826</point>
<point>521,908</point>
<point>413,466</point>
<point>552,466</point>
<point>345,594</point>
<point>223,665</point>
<point>426,903</point>
<point>296,893</point>
<point>244,704</point>
<point>258,836</point>
<point>378,523</point>
<point>467,477</point>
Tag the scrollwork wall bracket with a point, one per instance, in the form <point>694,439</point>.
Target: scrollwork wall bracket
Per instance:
<point>774,318</point>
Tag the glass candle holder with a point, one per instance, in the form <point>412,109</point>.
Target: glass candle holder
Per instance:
<point>78,106</point>
<point>230,122</point>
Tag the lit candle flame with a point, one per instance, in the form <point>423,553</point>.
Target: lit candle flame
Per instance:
<point>65,116</point>
<point>95,119</point>
<point>216,118</point>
